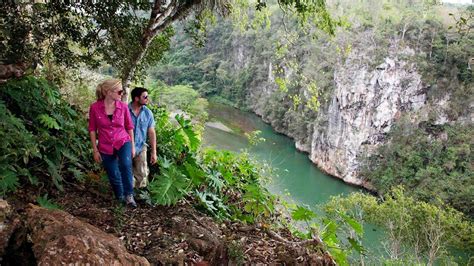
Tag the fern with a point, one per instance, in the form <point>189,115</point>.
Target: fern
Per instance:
<point>47,203</point>
<point>48,121</point>
<point>78,174</point>
<point>31,112</point>
<point>213,204</point>
<point>215,181</point>
<point>8,181</point>
<point>54,173</point>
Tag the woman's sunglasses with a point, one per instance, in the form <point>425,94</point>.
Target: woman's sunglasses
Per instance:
<point>119,92</point>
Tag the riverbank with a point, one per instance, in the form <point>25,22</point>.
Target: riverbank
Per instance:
<point>237,120</point>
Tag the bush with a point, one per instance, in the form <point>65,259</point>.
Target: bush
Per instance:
<point>430,161</point>
<point>181,97</point>
<point>416,231</point>
<point>44,140</point>
<point>223,184</point>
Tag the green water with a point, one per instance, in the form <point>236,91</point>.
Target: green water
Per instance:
<point>294,172</point>
<point>296,178</point>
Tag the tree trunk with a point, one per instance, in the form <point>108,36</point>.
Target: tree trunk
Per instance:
<point>162,15</point>
<point>446,53</point>
<point>404,30</point>
<point>432,42</point>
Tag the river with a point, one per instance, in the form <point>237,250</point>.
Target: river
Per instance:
<point>294,172</point>
<point>295,177</point>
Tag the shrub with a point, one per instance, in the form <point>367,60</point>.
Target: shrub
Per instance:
<point>430,161</point>
<point>43,138</point>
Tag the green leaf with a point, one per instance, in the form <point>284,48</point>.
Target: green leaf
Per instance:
<point>339,256</point>
<point>78,174</point>
<point>193,139</point>
<point>302,214</point>
<point>54,172</point>
<point>353,224</point>
<point>215,181</point>
<point>195,173</point>
<point>169,187</point>
<point>356,245</point>
<point>164,162</point>
<point>145,195</point>
<point>187,133</point>
<point>48,122</point>
<point>330,229</point>
<point>46,203</point>
<point>8,181</point>
<point>213,204</point>
<point>207,203</point>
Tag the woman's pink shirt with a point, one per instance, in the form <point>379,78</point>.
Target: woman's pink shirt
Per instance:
<point>111,134</point>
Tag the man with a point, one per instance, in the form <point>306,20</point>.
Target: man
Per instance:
<point>144,124</point>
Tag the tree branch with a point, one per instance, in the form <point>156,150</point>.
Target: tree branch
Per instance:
<point>159,20</point>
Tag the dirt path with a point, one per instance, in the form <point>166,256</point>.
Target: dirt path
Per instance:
<point>180,234</point>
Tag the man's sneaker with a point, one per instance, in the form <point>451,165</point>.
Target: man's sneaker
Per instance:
<point>130,201</point>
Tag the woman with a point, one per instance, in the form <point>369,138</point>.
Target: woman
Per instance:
<point>110,123</point>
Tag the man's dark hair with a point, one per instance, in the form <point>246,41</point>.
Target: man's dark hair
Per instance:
<point>137,92</point>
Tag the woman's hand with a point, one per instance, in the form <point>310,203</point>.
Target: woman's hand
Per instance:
<point>133,151</point>
<point>97,157</point>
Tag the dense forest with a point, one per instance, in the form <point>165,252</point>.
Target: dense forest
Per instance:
<point>287,75</point>
<point>299,66</point>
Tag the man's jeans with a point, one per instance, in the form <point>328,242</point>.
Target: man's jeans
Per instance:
<point>119,170</point>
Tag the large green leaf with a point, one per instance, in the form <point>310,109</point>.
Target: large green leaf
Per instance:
<point>302,214</point>
<point>187,131</point>
<point>195,173</point>
<point>353,224</point>
<point>169,187</point>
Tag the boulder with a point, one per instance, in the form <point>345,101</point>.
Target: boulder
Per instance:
<point>59,238</point>
<point>8,224</point>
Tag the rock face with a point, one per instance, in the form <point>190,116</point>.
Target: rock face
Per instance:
<point>362,107</point>
<point>59,238</point>
<point>8,224</point>
<point>362,110</point>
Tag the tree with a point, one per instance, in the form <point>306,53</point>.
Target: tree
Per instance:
<point>162,15</point>
<point>415,230</point>
<point>117,32</point>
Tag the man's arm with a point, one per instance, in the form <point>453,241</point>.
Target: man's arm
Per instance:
<point>152,136</point>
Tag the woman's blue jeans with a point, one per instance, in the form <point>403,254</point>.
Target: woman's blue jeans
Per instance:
<point>119,170</point>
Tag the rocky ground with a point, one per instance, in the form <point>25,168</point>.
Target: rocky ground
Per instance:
<point>92,228</point>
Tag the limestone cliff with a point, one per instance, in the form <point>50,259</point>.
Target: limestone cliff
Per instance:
<point>363,105</point>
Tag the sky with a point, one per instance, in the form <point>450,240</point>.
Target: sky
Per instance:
<point>458,1</point>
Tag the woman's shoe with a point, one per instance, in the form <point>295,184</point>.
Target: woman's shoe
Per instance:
<point>130,201</point>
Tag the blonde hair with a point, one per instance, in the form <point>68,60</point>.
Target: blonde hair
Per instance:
<point>106,86</point>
